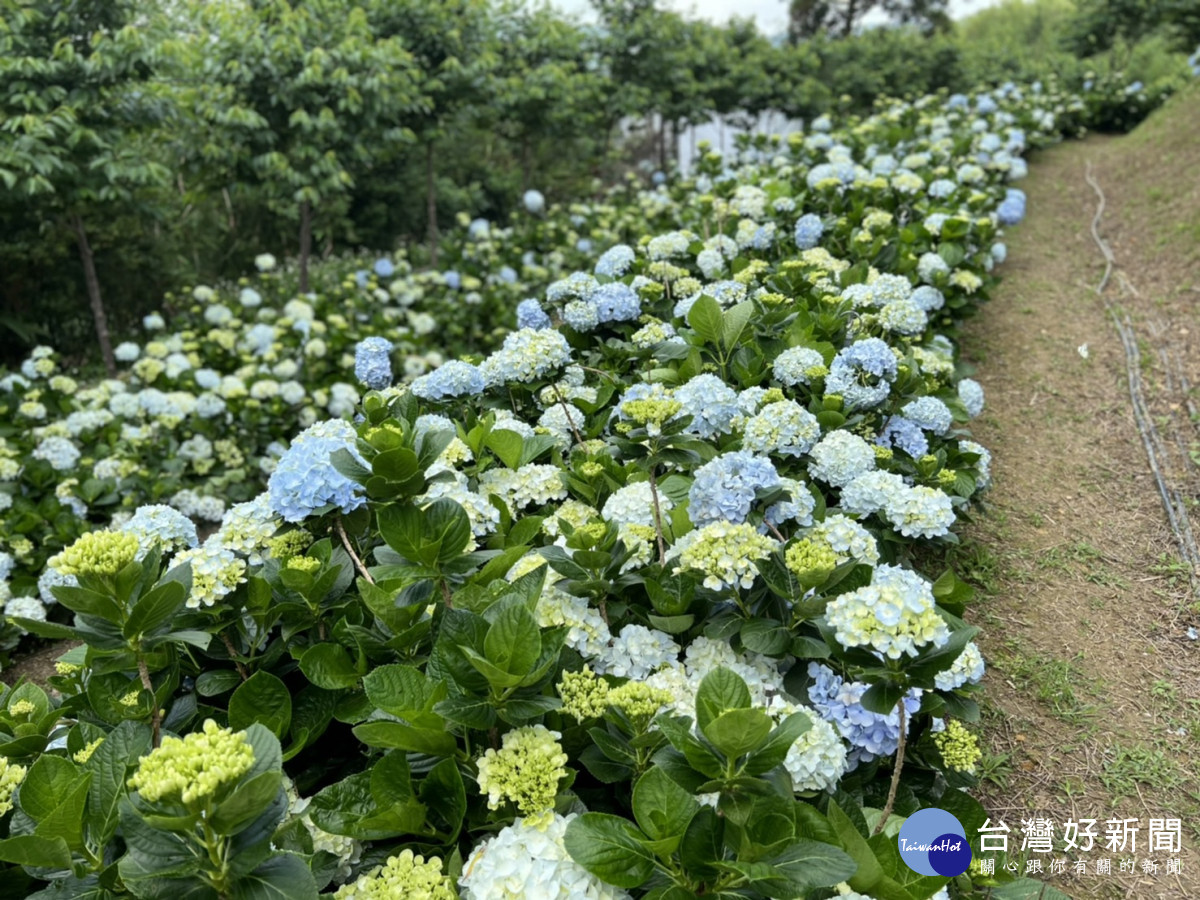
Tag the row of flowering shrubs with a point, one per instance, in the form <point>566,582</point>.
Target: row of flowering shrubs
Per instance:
<point>624,606</point>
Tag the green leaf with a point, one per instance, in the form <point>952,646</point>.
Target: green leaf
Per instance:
<point>869,872</point>
<point>398,736</point>
<point>37,851</point>
<point>448,529</point>
<point>155,609</point>
<point>402,691</point>
<point>807,865</point>
<point>444,793</point>
<point>265,699</point>
<point>514,641</point>
<point>401,525</point>
<point>739,731</point>
<point>329,666</point>
<point>610,848</point>
<point>662,808</point>
<point>248,801</point>
<point>775,750</point>
<point>282,877</point>
<point>721,690</point>
<point>882,698</point>
<point>507,445</point>
<point>736,318</point>
<point>111,765</point>
<point>706,319</point>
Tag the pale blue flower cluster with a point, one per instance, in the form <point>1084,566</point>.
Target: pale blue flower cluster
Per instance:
<point>840,457</point>
<point>903,317</point>
<point>1012,210</point>
<point>531,315</point>
<point>967,669</point>
<point>929,413</point>
<point>712,404</point>
<point>372,360</point>
<point>60,452</point>
<point>305,480</point>
<point>452,379</point>
<point>871,492</point>
<point>784,427</point>
<point>839,702</point>
<point>983,465</point>
<point>50,579</point>
<point>534,202</point>
<point>921,511</point>
<point>798,365</point>
<point>928,298</point>
<point>903,434</point>
<point>581,315</point>
<point>616,302</point>
<point>930,266</point>
<point>527,355</point>
<point>615,261</point>
<point>159,524</point>
<point>862,373</point>
<point>970,393</point>
<point>725,487</point>
<point>797,508</point>
<point>576,286</point>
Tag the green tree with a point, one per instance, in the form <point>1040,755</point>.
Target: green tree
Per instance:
<point>450,43</point>
<point>76,110</point>
<point>299,99</point>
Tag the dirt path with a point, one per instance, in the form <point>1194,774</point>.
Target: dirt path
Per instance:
<point>1093,698</point>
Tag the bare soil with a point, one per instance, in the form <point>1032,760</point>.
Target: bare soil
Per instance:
<point>1093,696</point>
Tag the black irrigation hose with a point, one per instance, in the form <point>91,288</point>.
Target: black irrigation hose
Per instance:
<point>1173,502</point>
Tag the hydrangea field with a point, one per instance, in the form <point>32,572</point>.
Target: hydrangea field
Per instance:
<point>602,563</point>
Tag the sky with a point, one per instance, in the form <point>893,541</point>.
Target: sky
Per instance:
<point>771,15</point>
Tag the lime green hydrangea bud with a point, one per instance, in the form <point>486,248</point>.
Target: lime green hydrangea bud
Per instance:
<point>191,769</point>
<point>130,698</point>
<point>638,700</point>
<point>623,427</point>
<point>22,708</point>
<point>584,694</point>
<point>927,460</point>
<point>883,454</point>
<point>525,770</point>
<point>97,553</point>
<point>304,564</point>
<point>773,395</point>
<point>958,746</point>
<point>406,875</point>
<point>289,544</point>
<point>651,412</point>
<point>591,470</point>
<point>11,776</point>
<point>82,756</point>
<point>811,560</point>
<point>947,478</point>
<point>66,668</point>
<point>771,298</point>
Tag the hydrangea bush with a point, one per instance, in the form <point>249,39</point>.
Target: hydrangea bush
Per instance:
<point>623,605</point>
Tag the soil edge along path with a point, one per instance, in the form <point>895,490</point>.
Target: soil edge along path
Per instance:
<point>1092,706</point>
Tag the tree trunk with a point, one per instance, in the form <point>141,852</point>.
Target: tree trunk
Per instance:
<point>851,14</point>
<point>305,243</point>
<point>662,142</point>
<point>93,289</point>
<point>431,205</point>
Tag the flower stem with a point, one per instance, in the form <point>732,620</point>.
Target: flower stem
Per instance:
<point>658,529</point>
<point>155,715</point>
<point>891,797</point>
<point>358,563</point>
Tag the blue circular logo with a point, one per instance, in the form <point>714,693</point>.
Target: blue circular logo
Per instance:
<point>933,842</point>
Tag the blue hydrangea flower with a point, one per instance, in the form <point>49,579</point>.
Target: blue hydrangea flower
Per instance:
<point>905,435</point>
<point>999,252</point>
<point>839,702</point>
<point>534,202</point>
<point>452,280</point>
<point>305,479</point>
<point>531,315</point>
<point>581,315</point>
<point>798,365</point>
<point>840,457</point>
<point>724,488</point>
<point>798,508</point>
<point>712,404</point>
<point>615,261</point>
<point>361,277</point>
<point>942,188</point>
<point>809,230</point>
<point>616,302</point>
<point>384,267</point>
<point>162,525</point>
<point>862,373</point>
<point>970,392</point>
<point>583,245</point>
<point>929,413</point>
<point>784,427</point>
<point>373,363</point>
<point>6,565</point>
<point>507,274</point>
<point>928,297</point>
<point>452,379</point>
